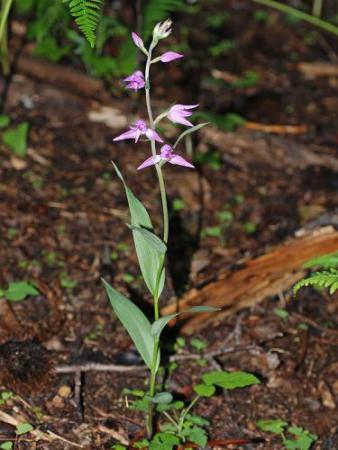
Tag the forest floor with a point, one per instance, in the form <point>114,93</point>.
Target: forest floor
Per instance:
<point>63,214</point>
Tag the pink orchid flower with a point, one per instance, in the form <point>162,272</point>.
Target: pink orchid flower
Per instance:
<point>135,81</point>
<point>178,114</point>
<point>138,129</point>
<point>170,56</point>
<point>166,155</point>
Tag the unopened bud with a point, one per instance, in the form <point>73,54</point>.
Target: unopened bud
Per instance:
<point>162,30</point>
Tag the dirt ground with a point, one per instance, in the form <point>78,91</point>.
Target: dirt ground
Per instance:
<point>68,210</point>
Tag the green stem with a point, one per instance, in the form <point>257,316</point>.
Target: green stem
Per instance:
<point>327,26</point>
<point>185,412</point>
<point>5,9</point>
<point>152,379</point>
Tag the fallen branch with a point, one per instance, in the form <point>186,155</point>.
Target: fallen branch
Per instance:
<point>258,279</point>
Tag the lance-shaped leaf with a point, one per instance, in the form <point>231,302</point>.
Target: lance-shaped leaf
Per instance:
<point>134,321</point>
<point>151,238</point>
<point>159,324</point>
<point>190,130</point>
<point>149,256</point>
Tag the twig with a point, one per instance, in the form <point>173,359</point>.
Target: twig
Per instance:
<point>96,367</point>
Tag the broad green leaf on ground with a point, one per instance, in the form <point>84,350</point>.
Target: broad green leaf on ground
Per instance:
<point>197,435</point>
<point>272,425</point>
<point>164,441</point>
<point>159,324</point>
<point>19,290</point>
<point>16,139</point>
<point>204,390</point>
<point>134,321</point>
<point>150,259</point>
<point>230,380</point>
<point>23,428</point>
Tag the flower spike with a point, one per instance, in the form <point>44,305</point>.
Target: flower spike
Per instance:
<point>178,114</point>
<point>138,129</point>
<point>166,155</point>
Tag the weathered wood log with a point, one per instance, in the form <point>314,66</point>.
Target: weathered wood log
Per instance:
<point>61,76</point>
<point>255,280</point>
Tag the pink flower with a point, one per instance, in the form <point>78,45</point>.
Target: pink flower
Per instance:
<point>135,81</point>
<point>166,155</point>
<point>137,40</point>
<point>138,129</point>
<point>170,56</point>
<point>178,114</point>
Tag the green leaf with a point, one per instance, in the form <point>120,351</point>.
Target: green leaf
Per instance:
<point>164,441</point>
<point>197,435</point>
<point>198,420</point>
<point>87,14</point>
<point>198,344</point>
<point>23,428</point>
<point>4,122</point>
<point>282,313</point>
<point>19,290</point>
<point>150,259</point>
<point>8,445</point>
<point>16,139</point>
<point>134,321</point>
<point>324,279</point>
<point>327,261</point>
<point>161,397</point>
<point>272,425</point>
<point>190,130</point>
<point>151,238</point>
<point>204,390</point>
<point>230,380</point>
<point>159,324</point>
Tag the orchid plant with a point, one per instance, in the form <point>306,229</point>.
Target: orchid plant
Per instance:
<point>150,248</point>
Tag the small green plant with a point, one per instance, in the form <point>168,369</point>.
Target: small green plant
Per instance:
<point>23,428</point>
<point>302,439</point>
<point>181,425</point>
<point>326,277</point>
<point>16,139</point>
<point>5,396</point>
<point>19,290</point>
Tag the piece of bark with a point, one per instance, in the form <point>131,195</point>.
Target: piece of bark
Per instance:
<point>318,69</point>
<point>257,279</point>
<point>254,151</point>
<point>61,76</point>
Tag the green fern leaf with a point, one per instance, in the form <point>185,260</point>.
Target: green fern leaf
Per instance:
<point>327,261</point>
<point>324,279</point>
<point>155,11</point>
<point>87,14</point>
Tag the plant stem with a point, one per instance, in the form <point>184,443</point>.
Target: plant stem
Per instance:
<point>317,8</point>
<point>185,412</point>
<point>152,379</point>
<point>327,26</point>
<point>5,8</point>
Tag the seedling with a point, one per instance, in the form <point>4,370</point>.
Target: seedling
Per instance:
<point>19,290</point>
<point>302,439</point>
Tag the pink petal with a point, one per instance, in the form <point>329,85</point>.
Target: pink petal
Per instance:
<point>183,107</point>
<point>178,160</point>
<point>150,162</point>
<point>179,119</point>
<point>153,135</point>
<point>170,56</point>
<point>137,40</point>
<point>130,134</point>
<point>131,77</point>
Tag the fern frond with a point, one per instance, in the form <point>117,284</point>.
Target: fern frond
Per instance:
<point>87,15</point>
<point>324,279</point>
<point>155,11</point>
<point>327,261</point>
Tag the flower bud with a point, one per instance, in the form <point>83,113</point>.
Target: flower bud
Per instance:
<point>137,40</point>
<point>162,30</point>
